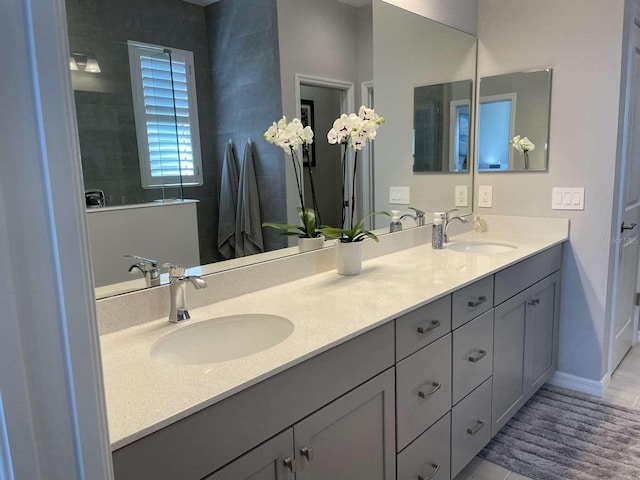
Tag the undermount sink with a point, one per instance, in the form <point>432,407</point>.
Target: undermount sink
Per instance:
<point>481,247</point>
<point>221,339</point>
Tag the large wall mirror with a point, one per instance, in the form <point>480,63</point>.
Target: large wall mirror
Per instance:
<point>513,122</point>
<point>424,74</point>
<point>248,62</point>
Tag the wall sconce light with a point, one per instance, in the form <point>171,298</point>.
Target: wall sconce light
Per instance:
<point>80,61</point>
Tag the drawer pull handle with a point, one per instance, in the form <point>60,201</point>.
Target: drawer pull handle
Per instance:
<point>290,463</point>
<point>481,354</point>
<point>307,453</point>
<point>436,386</point>
<point>533,302</point>
<point>436,469</point>
<point>475,303</point>
<point>476,429</point>
<point>432,326</point>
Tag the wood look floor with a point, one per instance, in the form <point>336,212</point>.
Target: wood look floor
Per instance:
<point>624,390</point>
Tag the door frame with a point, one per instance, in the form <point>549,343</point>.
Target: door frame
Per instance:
<point>367,171</point>
<point>347,106</point>
<point>631,22</point>
<point>53,417</point>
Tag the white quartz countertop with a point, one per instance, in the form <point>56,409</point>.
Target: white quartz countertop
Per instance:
<point>144,395</point>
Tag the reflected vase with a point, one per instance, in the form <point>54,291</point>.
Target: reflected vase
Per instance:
<point>310,244</point>
<point>348,257</point>
<point>526,160</point>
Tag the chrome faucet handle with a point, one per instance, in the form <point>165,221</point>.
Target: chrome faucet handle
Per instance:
<point>419,216</point>
<point>145,263</point>
<point>178,311</point>
<point>175,271</point>
<point>446,214</point>
<point>148,267</point>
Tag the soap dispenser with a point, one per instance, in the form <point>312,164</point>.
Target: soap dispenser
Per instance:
<point>396,224</point>
<point>478,225</point>
<point>437,232</point>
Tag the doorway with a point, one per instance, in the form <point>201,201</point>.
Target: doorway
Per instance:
<point>624,323</point>
<point>340,97</point>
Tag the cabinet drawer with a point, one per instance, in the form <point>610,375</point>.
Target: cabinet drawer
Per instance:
<point>422,326</point>
<point>472,355</point>
<point>470,427</point>
<point>515,279</point>
<point>471,301</point>
<point>429,457</point>
<point>423,389</point>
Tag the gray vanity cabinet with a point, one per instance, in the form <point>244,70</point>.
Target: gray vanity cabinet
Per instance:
<point>273,460</point>
<point>525,339</point>
<point>352,437</point>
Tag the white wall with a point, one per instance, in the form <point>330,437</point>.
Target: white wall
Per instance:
<point>460,14</point>
<point>582,41</point>
<point>167,233</point>
<point>411,51</point>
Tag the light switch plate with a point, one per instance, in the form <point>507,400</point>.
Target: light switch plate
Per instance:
<point>485,196</point>
<point>567,198</point>
<point>462,196</point>
<point>399,195</point>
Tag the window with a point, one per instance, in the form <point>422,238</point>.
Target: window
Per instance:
<point>166,115</point>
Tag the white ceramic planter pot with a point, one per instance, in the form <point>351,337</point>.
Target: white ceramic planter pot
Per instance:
<point>310,244</point>
<point>348,258</point>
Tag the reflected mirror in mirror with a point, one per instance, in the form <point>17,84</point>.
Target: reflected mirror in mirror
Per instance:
<point>441,115</point>
<point>417,61</point>
<point>245,56</point>
<point>513,122</point>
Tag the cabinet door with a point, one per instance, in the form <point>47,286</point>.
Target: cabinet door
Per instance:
<point>541,332</point>
<point>352,437</point>
<point>508,360</point>
<point>273,460</point>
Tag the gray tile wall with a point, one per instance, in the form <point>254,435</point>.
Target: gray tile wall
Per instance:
<point>231,106</point>
<point>245,74</point>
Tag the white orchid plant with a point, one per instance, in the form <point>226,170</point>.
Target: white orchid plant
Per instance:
<point>522,145</point>
<point>352,132</point>
<point>290,136</point>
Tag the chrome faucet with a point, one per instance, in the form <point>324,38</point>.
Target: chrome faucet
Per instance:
<point>148,268</point>
<point>418,217</point>
<point>447,221</point>
<point>178,291</point>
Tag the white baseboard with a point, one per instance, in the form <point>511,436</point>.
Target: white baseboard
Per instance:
<point>581,384</point>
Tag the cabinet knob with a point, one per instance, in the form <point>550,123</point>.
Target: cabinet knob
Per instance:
<point>436,386</point>
<point>478,426</point>
<point>479,301</point>
<point>479,356</point>
<point>433,324</point>
<point>307,453</point>
<point>290,463</point>
<point>436,469</point>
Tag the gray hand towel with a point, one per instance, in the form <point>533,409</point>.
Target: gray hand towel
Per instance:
<point>228,204</point>
<point>248,220</point>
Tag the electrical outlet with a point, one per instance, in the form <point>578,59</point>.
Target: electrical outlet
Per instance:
<point>485,196</point>
<point>399,195</point>
<point>462,196</point>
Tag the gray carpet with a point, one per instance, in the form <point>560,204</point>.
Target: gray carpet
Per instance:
<point>564,435</point>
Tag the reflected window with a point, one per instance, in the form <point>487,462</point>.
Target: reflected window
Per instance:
<point>165,107</point>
